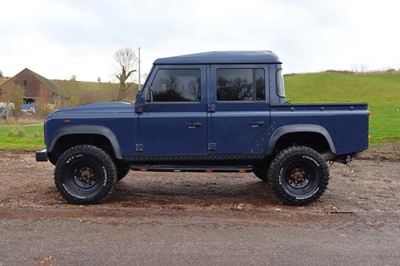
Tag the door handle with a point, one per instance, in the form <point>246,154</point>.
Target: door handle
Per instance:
<point>193,124</point>
<point>256,123</point>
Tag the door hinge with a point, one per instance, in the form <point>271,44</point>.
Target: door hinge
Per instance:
<point>212,146</point>
<point>139,109</point>
<point>211,108</point>
<point>139,147</point>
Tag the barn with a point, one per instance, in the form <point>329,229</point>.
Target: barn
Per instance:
<point>37,89</point>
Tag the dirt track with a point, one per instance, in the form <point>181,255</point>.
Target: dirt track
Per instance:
<point>186,218</point>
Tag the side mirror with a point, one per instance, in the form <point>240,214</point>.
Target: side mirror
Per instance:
<point>148,94</point>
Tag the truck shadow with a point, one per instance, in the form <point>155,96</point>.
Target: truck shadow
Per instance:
<point>198,189</point>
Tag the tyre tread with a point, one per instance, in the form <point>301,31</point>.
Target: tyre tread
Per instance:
<point>100,155</point>
<point>279,161</point>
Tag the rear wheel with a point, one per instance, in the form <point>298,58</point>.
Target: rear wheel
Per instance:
<point>299,175</point>
<point>85,174</point>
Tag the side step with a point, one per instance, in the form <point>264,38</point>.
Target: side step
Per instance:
<point>186,168</point>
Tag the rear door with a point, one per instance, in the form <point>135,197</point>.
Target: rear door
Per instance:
<point>175,121</point>
<point>239,109</point>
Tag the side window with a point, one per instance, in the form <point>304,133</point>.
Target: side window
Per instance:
<point>176,85</point>
<point>240,84</point>
<point>280,86</point>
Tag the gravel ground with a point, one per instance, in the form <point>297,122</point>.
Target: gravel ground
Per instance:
<point>199,218</point>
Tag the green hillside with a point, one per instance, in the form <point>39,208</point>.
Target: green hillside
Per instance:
<point>83,92</point>
<point>2,80</point>
<point>381,91</point>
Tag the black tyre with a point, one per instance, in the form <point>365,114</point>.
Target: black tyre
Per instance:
<point>85,174</point>
<point>122,172</point>
<point>261,173</point>
<point>299,175</point>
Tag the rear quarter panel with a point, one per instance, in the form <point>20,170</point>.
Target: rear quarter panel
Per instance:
<point>346,123</point>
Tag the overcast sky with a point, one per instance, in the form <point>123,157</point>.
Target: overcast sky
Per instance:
<point>61,38</point>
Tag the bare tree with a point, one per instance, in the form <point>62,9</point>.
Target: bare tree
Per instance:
<point>126,59</point>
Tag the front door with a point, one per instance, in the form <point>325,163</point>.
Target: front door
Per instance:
<point>175,121</point>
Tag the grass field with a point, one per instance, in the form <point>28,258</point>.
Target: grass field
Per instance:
<point>21,137</point>
<point>381,91</point>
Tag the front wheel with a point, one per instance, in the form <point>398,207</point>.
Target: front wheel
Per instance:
<point>85,174</point>
<point>299,175</point>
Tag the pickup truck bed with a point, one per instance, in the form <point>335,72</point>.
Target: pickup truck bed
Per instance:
<point>345,125</point>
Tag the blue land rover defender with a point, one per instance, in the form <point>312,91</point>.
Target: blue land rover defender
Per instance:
<point>213,112</point>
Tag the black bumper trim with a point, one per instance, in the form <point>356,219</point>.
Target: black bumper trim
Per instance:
<point>41,156</point>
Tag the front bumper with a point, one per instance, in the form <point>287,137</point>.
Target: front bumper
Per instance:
<point>41,156</point>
